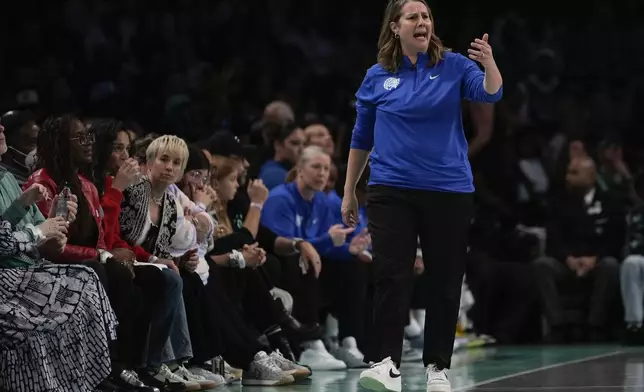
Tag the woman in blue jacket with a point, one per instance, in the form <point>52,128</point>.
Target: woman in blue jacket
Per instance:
<point>300,209</point>
<point>409,121</point>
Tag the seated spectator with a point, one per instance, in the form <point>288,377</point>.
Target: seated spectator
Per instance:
<point>154,228</point>
<point>21,132</point>
<point>632,272</point>
<point>585,235</point>
<point>286,142</point>
<point>319,135</point>
<point>76,335</point>
<point>72,325</point>
<point>65,147</point>
<point>613,174</point>
<point>243,213</point>
<point>248,288</point>
<point>300,209</point>
<point>164,316</point>
<point>195,185</point>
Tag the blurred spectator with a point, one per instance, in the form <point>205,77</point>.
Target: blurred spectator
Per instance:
<point>585,233</point>
<point>286,142</point>
<point>21,133</point>
<point>632,273</point>
<point>613,174</point>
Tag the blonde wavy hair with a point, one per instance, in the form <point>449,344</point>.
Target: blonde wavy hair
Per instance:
<point>390,54</point>
<point>223,167</point>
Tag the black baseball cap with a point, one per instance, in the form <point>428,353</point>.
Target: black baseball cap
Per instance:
<point>227,144</point>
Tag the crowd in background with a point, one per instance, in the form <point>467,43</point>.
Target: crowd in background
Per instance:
<point>265,91</point>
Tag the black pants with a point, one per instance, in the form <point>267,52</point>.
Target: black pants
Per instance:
<point>134,301</point>
<point>304,288</point>
<point>237,343</point>
<point>600,289</point>
<point>201,319</point>
<point>398,217</point>
<point>273,269</point>
<point>344,287</point>
<point>249,289</point>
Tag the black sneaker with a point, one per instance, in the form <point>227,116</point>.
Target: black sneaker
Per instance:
<point>633,336</point>
<point>129,380</point>
<point>107,386</point>
<point>149,380</point>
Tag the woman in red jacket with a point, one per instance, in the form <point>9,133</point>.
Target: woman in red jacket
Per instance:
<point>64,148</point>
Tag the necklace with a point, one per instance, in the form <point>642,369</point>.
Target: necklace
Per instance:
<point>157,200</point>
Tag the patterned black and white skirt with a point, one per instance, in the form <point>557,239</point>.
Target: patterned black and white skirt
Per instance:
<point>55,321</point>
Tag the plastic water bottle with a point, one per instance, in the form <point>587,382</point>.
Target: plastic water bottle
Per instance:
<point>61,206</point>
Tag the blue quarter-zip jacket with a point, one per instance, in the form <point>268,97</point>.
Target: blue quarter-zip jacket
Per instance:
<point>412,120</point>
<point>287,214</point>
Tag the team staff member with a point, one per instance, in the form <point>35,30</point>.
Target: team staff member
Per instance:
<point>409,118</point>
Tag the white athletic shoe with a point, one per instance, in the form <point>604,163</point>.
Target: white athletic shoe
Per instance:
<point>382,377</point>
<point>291,368</point>
<point>437,380</point>
<point>317,357</point>
<point>349,353</point>
<point>263,371</point>
<point>413,330</point>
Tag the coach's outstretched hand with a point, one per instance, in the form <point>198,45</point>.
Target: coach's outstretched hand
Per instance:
<point>481,51</point>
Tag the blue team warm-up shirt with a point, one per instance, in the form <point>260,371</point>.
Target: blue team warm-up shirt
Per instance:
<point>288,215</point>
<point>412,120</point>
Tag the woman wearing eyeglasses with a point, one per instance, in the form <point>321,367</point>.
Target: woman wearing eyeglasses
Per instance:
<point>64,151</point>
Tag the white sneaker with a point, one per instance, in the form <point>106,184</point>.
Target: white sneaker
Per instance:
<point>317,357</point>
<point>264,372</point>
<point>419,316</point>
<point>165,375</point>
<point>187,375</point>
<point>382,377</point>
<point>231,374</point>
<point>208,375</point>
<point>437,380</point>
<point>349,353</point>
<point>297,371</point>
<point>410,354</point>
<point>413,329</point>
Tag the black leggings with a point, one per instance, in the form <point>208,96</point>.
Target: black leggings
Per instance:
<point>344,286</point>
<point>238,343</point>
<point>203,320</point>
<point>398,217</point>
<point>249,290</point>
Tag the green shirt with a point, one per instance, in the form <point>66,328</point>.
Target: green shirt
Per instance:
<point>13,211</point>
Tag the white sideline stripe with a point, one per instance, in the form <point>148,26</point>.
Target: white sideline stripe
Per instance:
<point>535,370</point>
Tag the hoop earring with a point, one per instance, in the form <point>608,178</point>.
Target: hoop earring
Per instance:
<point>396,36</point>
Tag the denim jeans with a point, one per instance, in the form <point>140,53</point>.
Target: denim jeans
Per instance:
<point>632,283</point>
<point>169,339</point>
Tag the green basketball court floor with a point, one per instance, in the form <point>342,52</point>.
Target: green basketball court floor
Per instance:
<point>501,369</point>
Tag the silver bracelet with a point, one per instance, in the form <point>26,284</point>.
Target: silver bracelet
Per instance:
<point>236,259</point>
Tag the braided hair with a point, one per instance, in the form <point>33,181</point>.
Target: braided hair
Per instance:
<point>55,155</point>
<point>106,131</point>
